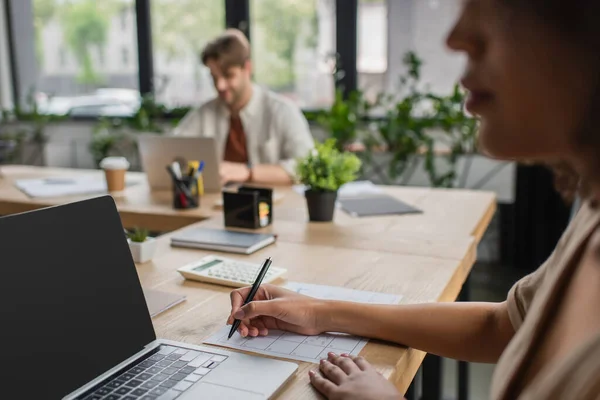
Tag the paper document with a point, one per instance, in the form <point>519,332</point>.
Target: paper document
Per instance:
<point>306,348</point>
<point>65,186</point>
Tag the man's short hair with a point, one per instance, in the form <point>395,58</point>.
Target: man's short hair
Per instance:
<point>229,49</point>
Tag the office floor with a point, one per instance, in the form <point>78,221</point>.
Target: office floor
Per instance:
<point>490,281</point>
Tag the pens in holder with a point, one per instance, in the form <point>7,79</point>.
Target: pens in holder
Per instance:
<point>255,287</point>
<point>183,197</point>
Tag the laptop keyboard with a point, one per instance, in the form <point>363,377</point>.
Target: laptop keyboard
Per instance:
<point>163,376</point>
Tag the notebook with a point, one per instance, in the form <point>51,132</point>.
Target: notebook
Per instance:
<point>222,240</point>
<point>375,205</point>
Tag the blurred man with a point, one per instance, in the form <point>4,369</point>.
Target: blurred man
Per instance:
<point>259,134</point>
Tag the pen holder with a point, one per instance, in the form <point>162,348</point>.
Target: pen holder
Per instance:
<point>186,193</point>
<point>249,207</point>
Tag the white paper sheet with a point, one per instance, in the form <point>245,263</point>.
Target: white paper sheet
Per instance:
<point>64,186</point>
<point>306,348</point>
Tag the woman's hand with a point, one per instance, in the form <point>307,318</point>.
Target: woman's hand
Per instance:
<point>351,378</point>
<point>276,308</point>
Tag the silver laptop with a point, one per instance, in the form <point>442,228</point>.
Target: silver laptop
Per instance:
<point>157,151</point>
<point>76,326</point>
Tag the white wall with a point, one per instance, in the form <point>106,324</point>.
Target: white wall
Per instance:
<point>422,26</point>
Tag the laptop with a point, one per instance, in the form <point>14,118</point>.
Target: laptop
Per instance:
<point>75,324</point>
<point>158,151</point>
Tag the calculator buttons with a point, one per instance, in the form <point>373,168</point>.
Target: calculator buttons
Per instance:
<point>227,272</point>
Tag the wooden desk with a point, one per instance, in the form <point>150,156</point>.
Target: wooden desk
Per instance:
<point>448,213</point>
<point>137,205</point>
<point>424,257</point>
<point>418,278</point>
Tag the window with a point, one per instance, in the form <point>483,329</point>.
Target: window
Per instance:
<point>389,29</point>
<point>85,30</point>
<point>125,56</point>
<point>293,45</point>
<point>124,15</point>
<point>63,57</point>
<point>181,29</point>
<point>372,58</point>
<point>101,57</point>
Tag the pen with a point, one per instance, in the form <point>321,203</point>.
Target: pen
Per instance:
<point>176,168</point>
<point>255,286</point>
<point>192,169</point>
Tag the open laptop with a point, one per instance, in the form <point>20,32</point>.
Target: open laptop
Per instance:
<point>158,151</point>
<point>75,323</point>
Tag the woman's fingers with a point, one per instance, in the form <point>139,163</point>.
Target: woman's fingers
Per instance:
<point>323,385</point>
<point>332,372</point>
<point>346,364</point>
<point>259,323</point>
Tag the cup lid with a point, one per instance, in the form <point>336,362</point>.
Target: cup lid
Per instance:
<point>114,163</point>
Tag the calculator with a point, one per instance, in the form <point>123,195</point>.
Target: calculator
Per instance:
<point>227,272</point>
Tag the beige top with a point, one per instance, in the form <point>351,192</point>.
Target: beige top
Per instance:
<point>532,304</point>
<point>276,131</point>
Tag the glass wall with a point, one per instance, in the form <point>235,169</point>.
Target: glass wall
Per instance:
<point>86,59</point>
<point>293,45</point>
<point>181,29</point>
<point>86,53</point>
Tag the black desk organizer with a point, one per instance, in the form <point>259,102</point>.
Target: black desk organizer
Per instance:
<point>249,207</point>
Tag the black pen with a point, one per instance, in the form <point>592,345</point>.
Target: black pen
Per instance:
<point>255,286</point>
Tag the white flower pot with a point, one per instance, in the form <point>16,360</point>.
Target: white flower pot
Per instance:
<point>142,252</point>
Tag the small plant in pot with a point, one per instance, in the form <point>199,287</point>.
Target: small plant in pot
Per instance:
<point>323,172</point>
<point>141,245</point>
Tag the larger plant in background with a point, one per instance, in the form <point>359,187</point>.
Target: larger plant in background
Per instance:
<point>346,118</point>
<point>419,124</point>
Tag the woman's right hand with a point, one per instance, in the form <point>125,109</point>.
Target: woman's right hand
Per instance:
<point>276,308</point>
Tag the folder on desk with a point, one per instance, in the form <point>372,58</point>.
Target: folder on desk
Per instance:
<point>375,205</point>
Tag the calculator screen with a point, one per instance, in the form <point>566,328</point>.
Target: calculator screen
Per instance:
<point>202,267</point>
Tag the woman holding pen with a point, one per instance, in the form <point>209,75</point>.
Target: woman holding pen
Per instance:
<point>533,78</point>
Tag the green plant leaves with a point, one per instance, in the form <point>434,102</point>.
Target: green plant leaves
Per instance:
<point>326,168</point>
<point>415,120</point>
<point>138,235</point>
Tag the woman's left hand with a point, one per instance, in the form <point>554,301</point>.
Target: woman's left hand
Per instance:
<point>351,378</point>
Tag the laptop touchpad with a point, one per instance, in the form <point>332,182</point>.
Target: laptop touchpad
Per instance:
<point>203,390</point>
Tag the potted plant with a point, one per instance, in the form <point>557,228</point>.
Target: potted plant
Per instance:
<point>323,171</point>
<point>141,245</point>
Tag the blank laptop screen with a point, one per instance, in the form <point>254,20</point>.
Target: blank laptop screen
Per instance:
<point>71,305</point>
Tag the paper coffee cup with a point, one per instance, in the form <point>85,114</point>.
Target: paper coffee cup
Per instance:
<point>114,170</point>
